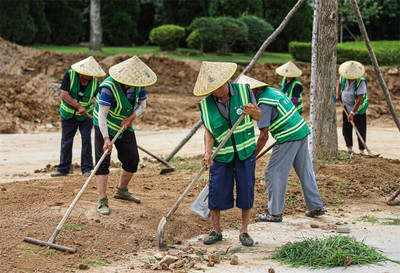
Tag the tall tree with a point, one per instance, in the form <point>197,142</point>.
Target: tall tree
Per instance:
<point>326,128</point>
<point>96,31</point>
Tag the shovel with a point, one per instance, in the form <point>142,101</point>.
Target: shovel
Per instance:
<point>169,168</point>
<point>370,154</point>
<point>163,221</point>
<point>50,243</point>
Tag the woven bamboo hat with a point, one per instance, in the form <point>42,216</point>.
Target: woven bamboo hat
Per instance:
<point>212,76</point>
<point>351,70</point>
<point>88,67</point>
<point>250,81</point>
<point>133,72</point>
<point>288,69</point>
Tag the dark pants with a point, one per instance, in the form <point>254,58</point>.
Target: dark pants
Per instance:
<point>69,128</point>
<point>361,124</point>
<point>127,152</point>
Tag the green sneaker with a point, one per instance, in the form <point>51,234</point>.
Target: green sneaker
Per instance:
<point>103,208</point>
<point>57,173</point>
<point>124,194</point>
<point>212,238</point>
<point>245,239</point>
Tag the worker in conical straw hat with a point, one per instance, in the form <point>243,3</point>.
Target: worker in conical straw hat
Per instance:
<point>220,109</point>
<point>122,98</point>
<point>78,89</point>
<point>291,85</point>
<point>280,118</point>
<point>351,90</point>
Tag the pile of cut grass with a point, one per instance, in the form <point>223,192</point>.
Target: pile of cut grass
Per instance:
<point>327,253</point>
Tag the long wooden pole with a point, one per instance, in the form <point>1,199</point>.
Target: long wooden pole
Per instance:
<point>313,91</point>
<point>260,51</point>
<point>375,63</point>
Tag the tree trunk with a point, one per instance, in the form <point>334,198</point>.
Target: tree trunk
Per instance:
<point>313,95</point>
<point>96,31</point>
<point>326,127</point>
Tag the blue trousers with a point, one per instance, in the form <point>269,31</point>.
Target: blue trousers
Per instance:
<point>69,128</point>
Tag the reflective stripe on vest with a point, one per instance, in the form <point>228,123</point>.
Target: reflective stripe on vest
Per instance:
<point>289,92</point>
<point>219,127</point>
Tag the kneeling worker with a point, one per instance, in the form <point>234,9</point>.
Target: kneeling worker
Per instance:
<point>279,116</point>
<point>222,107</point>
<point>122,99</point>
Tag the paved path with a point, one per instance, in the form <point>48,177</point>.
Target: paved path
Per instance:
<point>22,154</point>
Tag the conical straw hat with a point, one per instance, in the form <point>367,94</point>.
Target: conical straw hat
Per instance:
<point>288,69</point>
<point>212,76</point>
<point>351,70</point>
<point>88,67</point>
<point>133,72</point>
<point>250,81</point>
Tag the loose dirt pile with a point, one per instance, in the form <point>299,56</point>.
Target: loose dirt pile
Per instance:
<point>34,208</point>
<point>29,104</point>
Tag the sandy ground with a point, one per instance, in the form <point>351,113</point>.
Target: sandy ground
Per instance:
<point>22,154</point>
<point>268,236</point>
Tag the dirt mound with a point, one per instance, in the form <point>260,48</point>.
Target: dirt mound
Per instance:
<point>34,208</point>
<point>25,75</point>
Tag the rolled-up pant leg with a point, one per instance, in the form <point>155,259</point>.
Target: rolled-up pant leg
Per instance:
<point>276,175</point>
<point>303,167</point>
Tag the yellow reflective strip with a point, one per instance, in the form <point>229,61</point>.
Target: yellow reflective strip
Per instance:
<point>246,144</point>
<point>284,118</point>
<point>203,105</point>
<point>290,130</point>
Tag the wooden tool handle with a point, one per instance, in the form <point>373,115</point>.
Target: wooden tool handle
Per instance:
<point>214,154</point>
<point>61,224</point>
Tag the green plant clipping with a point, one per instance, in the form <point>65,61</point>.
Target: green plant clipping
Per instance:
<point>327,253</point>
<point>167,37</point>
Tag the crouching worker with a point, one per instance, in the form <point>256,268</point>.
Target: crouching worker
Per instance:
<point>280,118</point>
<point>224,104</point>
<point>122,99</point>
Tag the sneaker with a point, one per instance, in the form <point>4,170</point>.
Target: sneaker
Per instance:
<point>266,217</point>
<point>103,208</point>
<point>57,173</point>
<point>245,239</point>
<point>124,194</point>
<point>87,173</point>
<point>315,212</point>
<point>212,238</point>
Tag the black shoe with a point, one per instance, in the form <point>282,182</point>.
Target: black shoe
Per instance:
<point>245,239</point>
<point>266,217</point>
<point>57,173</point>
<point>315,212</point>
<point>212,238</point>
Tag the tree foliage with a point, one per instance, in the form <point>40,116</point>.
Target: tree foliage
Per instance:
<point>205,33</point>
<point>235,8</point>
<point>259,30</point>
<point>119,19</point>
<point>16,22</point>
<point>182,12</point>
<point>37,9</point>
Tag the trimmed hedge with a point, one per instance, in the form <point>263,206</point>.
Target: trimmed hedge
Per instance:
<point>204,34</point>
<point>167,37</point>
<point>259,30</point>
<point>387,52</point>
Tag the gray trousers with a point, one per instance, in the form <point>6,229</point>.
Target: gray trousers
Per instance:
<point>277,173</point>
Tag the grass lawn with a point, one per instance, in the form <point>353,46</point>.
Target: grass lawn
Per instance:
<point>181,53</point>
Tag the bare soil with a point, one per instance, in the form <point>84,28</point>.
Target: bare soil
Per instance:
<point>29,103</point>
<point>34,208</point>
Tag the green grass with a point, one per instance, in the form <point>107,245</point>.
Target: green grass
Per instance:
<point>376,45</point>
<point>181,53</point>
<point>382,221</point>
<point>327,253</point>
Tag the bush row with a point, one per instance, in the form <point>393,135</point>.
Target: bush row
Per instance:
<point>387,52</point>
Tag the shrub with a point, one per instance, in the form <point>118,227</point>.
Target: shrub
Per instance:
<point>37,10</point>
<point>167,37</point>
<point>234,33</point>
<point>387,52</point>
<point>205,34</point>
<point>16,22</point>
<point>235,8</point>
<point>259,30</point>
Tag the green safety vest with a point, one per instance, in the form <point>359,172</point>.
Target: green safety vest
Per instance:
<point>243,136</point>
<point>121,111</point>
<point>289,125</point>
<point>364,104</point>
<point>66,110</point>
<point>289,92</point>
